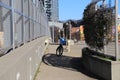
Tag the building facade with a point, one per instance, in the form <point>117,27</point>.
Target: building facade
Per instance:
<point>51,8</point>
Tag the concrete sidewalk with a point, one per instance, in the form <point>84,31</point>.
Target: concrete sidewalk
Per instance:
<point>66,67</point>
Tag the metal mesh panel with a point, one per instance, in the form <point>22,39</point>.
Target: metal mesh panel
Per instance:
<point>35,30</point>
<point>18,5</point>
<point>6,23</point>
<point>1,29</point>
<point>8,2</point>
<point>18,28</point>
<point>31,8</point>
<point>25,7</point>
<point>31,30</point>
<point>110,48</point>
<point>39,29</point>
<point>34,12</point>
<point>26,27</point>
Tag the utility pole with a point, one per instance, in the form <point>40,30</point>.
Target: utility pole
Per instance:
<point>116,30</point>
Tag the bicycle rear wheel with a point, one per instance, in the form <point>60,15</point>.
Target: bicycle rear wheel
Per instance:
<point>59,51</point>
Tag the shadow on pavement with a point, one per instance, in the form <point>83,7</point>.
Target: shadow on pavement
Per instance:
<point>67,62</point>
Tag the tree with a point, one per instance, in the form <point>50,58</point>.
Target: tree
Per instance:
<point>97,25</point>
<point>89,25</point>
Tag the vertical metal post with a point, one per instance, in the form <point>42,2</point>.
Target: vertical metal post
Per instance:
<point>13,26</point>
<point>24,37</point>
<point>116,29</point>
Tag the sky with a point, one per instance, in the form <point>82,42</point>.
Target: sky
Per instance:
<point>73,9</point>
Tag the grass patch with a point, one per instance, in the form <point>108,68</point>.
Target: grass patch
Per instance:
<point>37,71</point>
<point>107,58</point>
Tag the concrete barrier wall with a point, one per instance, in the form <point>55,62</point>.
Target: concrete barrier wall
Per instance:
<point>22,63</point>
<point>106,69</point>
<point>115,70</point>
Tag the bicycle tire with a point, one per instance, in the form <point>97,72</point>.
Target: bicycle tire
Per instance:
<point>59,51</point>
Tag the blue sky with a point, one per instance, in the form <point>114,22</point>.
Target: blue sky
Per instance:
<point>73,9</point>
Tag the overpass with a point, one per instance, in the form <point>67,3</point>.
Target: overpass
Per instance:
<point>56,24</point>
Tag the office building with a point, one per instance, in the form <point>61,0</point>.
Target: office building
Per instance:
<point>51,8</point>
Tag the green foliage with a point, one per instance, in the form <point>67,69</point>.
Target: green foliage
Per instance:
<point>97,26</point>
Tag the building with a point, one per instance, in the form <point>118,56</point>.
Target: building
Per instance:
<point>75,33</point>
<point>51,8</point>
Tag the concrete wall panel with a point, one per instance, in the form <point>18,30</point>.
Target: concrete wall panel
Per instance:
<point>22,63</point>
